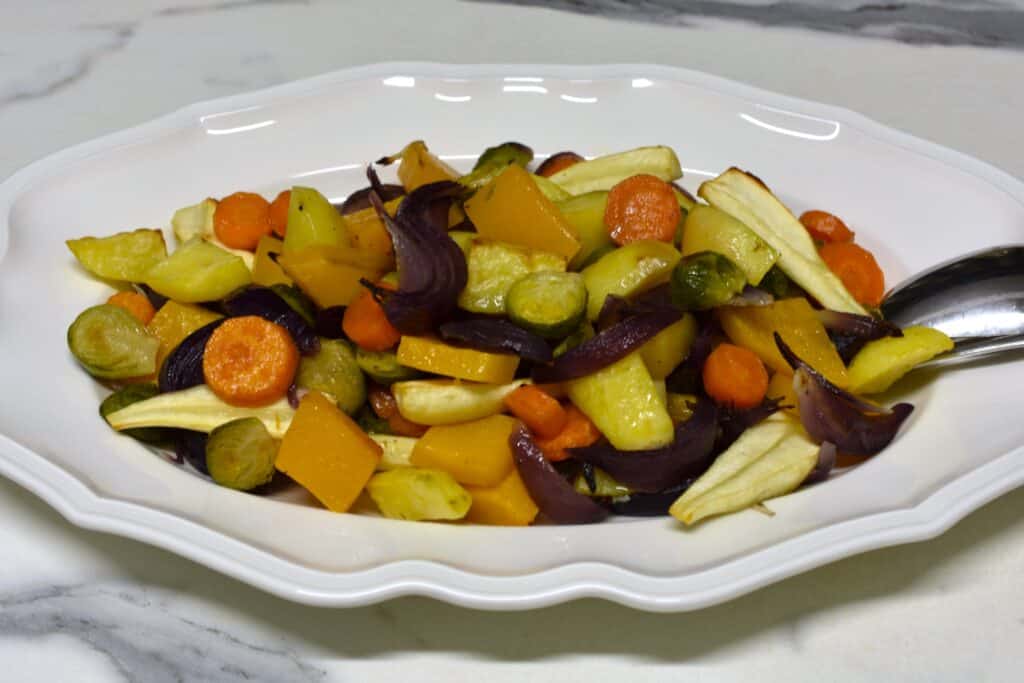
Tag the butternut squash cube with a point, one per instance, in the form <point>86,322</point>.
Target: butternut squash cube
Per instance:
<point>512,209</point>
<point>327,453</point>
<point>753,327</point>
<point>265,270</point>
<point>366,231</point>
<point>330,275</point>
<point>432,355</point>
<point>476,453</point>
<point>507,504</point>
<point>420,167</point>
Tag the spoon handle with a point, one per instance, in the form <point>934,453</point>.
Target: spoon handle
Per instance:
<point>967,350</point>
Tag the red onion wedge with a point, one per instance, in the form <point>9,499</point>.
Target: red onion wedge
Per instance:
<point>830,414</point>
<point>360,199</point>
<point>606,347</point>
<point>826,461</point>
<point>183,367</point>
<point>495,334</point>
<point>431,267</point>
<point>555,497</point>
<point>658,469</point>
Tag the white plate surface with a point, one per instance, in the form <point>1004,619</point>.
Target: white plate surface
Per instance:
<point>913,203</point>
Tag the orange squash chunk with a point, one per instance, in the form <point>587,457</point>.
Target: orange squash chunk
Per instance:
<point>794,319</point>
<point>175,321</point>
<point>507,504</point>
<point>512,209</point>
<point>327,453</point>
<point>475,453</point>
<point>330,275</point>
<point>420,167</point>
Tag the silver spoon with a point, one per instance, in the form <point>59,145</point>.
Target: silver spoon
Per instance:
<point>977,299</point>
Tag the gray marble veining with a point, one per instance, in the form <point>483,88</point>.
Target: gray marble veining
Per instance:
<point>988,23</point>
<point>144,640</point>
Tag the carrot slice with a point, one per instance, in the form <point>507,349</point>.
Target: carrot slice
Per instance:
<point>735,376</point>
<point>642,207</point>
<point>366,324</point>
<point>250,361</point>
<point>578,432</point>
<point>241,219</point>
<point>857,268</point>
<point>135,303</point>
<point>826,227</point>
<point>279,213</point>
<point>539,410</point>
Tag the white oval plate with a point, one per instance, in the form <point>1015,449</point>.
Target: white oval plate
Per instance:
<point>913,203</point>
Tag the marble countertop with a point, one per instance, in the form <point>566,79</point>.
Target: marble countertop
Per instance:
<point>84,606</point>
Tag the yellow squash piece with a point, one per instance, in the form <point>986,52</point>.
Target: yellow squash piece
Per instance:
<point>507,504</point>
<point>417,494</point>
<point>628,271</point>
<point>327,453</point>
<point>266,271</point>
<point>432,355</point>
<point>420,167</point>
<point>669,347</point>
<point>883,362</point>
<point>512,209</point>
<point>625,404</point>
<point>780,386</point>
<point>330,275</point>
<point>366,231</point>
<point>794,319</point>
<point>175,321</point>
<point>476,453</point>
<point>312,221</point>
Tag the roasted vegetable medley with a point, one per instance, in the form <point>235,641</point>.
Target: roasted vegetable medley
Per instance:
<point>504,346</point>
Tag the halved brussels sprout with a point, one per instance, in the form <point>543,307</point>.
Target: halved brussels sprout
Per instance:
<point>494,160</point>
<point>111,343</point>
<point>333,370</point>
<point>133,393</point>
<point>198,271</point>
<point>705,280</point>
<point>240,454</point>
<point>125,256</point>
<point>383,367</point>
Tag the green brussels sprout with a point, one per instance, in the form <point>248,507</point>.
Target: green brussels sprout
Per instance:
<point>777,283</point>
<point>370,423</point>
<point>240,454</point>
<point>111,343</point>
<point>494,160</point>
<point>125,396</point>
<point>383,367</point>
<point>705,280</point>
<point>333,370</point>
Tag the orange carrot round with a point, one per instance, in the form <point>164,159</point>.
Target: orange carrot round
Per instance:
<point>279,213</point>
<point>858,269</point>
<point>540,411</point>
<point>250,361</point>
<point>241,219</point>
<point>826,227</point>
<point>135,303</point>
<point>642,207</point>
<point>366,324</point>
<point>735,376</point>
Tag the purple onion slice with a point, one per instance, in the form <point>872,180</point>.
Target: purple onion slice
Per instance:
<point>183,367</point>
<point>606,347</point>
<point>267,304</point>
<point>830,414</point>
<point>360,199</point>
<point>826,461</point>
<point>497,335</point>
<point>555,497</point>
<point>431,266</point>
<point>658,469</point>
